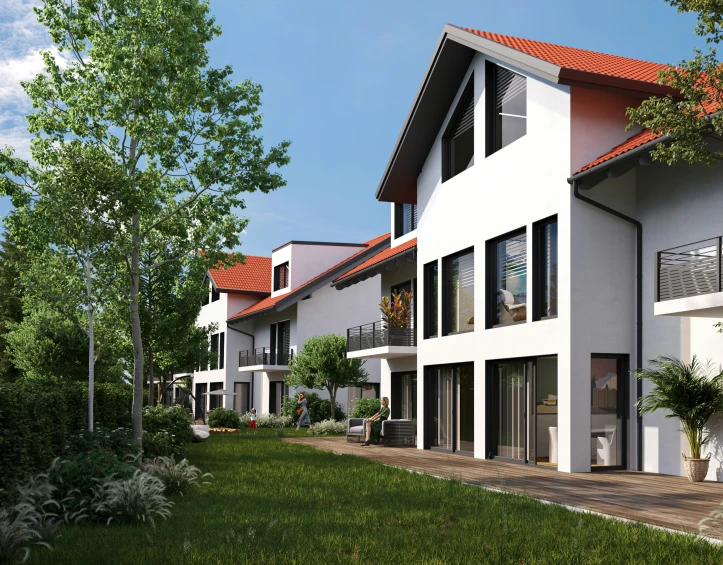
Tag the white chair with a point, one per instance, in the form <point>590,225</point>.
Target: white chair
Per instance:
<point>606,448</point>
<point>553,444</point>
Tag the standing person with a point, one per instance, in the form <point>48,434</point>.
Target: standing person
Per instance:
<point>303,412</point>
<point>252,423</point>
<point>374,424</point>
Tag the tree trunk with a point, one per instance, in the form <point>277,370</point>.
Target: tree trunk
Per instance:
<point>136,331</point>
<point>151,390</point>
<point>332,397</point>
<point>91,345</point>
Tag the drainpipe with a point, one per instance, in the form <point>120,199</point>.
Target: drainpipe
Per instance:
<point>638,303</point>
<point>253,346</point>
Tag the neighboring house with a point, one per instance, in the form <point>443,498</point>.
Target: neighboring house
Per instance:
<point>301,305</point>
<point>526,317</point>
<point>229,290</point>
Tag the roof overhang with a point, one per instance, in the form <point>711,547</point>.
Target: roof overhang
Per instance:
<point>410,255</point>
<point>452,57</point>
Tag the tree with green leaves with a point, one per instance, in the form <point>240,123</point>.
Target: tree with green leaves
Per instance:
<point>182,138</point>
<point>322,364</point>
<point>11,306</point>
<point>689,118</point>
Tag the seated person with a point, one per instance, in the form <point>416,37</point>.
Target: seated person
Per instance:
<point>374,424</point>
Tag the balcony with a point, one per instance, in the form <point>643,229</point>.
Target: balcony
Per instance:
<point>265,359</point>
<point>688,280</point>
<point>377,341</point>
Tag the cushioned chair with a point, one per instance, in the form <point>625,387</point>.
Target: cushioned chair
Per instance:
<point>514,310</point>
<point>607,447</point>
<point>355,428</point>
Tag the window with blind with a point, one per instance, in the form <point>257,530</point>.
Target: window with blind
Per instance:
<point>281,276</point>
<point>544,261</point>
<point>431,301</point>
<point>458,139</point>
<point>458,292</point>
<point>405,219</point>
<point>507,288</point>
<point>506,107</point>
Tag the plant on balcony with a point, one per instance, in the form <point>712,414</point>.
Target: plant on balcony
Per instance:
<point>690,392</point>
<point>322,363</point>
<point>397,312</point>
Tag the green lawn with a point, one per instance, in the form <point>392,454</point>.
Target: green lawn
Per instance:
<point>274,502</point>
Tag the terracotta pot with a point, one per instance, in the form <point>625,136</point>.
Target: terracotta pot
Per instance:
<point>696,469</point>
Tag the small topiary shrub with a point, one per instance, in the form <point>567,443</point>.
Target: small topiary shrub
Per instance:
<point>224,418</point>
<point>178,478</point>
<point>139,498</point>
<point>329,428</point>
<point>365,407</point>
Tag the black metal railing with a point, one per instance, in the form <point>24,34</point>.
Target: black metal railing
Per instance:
<point>377,334</point>
<point>264,356</point>
<point>688,270</point>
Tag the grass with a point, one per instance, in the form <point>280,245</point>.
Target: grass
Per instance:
<point>275,502</point>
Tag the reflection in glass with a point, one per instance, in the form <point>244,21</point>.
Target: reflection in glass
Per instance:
<point>452,388</point>
<point>442,417</point>
<point>511,410</point>
<point>510,107</point>
<point>548,307</point>
<point>606,410</point>
<point>511,280</point>
<point>465,408</point>
<point>459,279</point>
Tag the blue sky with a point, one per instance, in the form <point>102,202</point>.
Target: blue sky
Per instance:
<point>339,77</point>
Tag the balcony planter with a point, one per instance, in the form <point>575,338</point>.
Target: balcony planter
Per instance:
<point>696,469</point>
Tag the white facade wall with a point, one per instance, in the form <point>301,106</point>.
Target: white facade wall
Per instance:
<point>513,188</point>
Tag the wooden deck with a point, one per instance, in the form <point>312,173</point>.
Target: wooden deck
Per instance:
<point>663,500</point>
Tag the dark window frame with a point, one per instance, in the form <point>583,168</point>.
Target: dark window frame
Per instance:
<point>444,329</point>
<point>490,109</point>
<point>491,279</point>
<point>213,348</point>
<point>399,219</point>
<point>467,93</point>
<point>215,294</point>
<point>623,360</point>
<point>221,349</point>
<point>281,276</point>
<point>428,306</point>
<point>538,263</point>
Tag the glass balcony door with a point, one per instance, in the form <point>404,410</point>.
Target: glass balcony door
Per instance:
<point>450,391</point>
<point>608,419</point>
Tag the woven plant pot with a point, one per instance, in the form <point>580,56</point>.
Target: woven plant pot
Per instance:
<point>696,469</point>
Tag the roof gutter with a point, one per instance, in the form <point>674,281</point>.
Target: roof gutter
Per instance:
<point>638,303</point>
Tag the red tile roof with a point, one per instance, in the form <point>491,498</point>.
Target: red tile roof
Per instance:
<point>578,59</point>
<point>269,301</point>
<point>253,276</point>
<point>379,257</point>
<point>633,142</point>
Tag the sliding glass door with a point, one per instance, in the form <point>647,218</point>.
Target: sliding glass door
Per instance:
<point>608,415</point>
<point>450,393</point>
<point>404,396</point>
<point>522,410</point>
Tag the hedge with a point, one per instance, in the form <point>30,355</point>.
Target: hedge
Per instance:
<point>38,417</point>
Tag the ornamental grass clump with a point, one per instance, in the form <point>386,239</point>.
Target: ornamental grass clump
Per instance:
<point>137,499</point>
<point>178,478</point>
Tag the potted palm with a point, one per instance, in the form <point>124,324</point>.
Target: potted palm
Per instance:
<point>690,392</point>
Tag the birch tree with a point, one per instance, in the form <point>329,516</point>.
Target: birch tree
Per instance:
<point>133,77</point>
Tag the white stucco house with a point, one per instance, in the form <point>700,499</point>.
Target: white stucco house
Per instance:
<point>294,302</point>
<point>532,228</point>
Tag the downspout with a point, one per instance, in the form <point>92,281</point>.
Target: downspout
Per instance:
<point>253,346</point>
<point>638,304</point>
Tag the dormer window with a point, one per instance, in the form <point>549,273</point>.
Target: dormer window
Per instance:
<point>506,107</point>
<point>458,139</point>
<point>405,219</point>
<point>281,276</point>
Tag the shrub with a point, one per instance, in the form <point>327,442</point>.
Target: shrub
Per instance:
<point>178,478</point>
<point>39,417</point>
<point>79,472</point>
<point>137,499</point>
<point>174,423</point>
<point>329,428</point>
<point>365,407</point>
<point>118,441</point>
<point>224,418</point>
<point>319,408</point>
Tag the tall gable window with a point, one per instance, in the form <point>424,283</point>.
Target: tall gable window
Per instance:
<point>458,139</point>
<point>281,276</point>
<point>405,219</point>
<point>215,294</point>
<point>506,107</point>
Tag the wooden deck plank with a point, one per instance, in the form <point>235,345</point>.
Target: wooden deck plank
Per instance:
<point>663,500</point>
